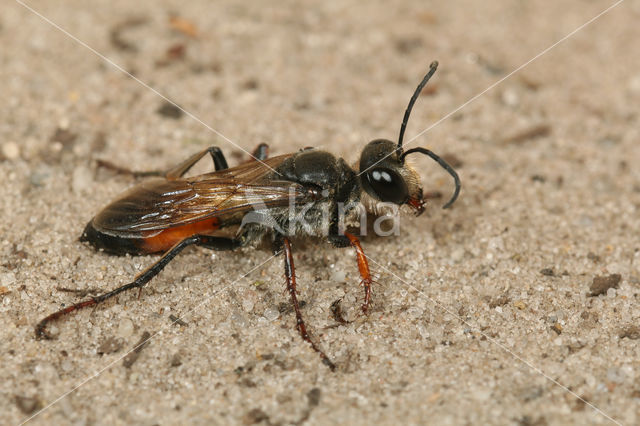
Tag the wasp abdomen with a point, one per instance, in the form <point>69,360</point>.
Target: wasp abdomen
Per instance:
<point>109,243</point>
<point>146,242</point>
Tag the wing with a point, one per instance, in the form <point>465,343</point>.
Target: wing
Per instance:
<point>159,204</point>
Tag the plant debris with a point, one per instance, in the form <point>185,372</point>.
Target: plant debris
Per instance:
<point>547,272</point>
<point>116,38</point>
<point>176,320</point>
<point>170,110</point>
<point>27,404</point>
<point>537,131</point>
<point>337,312</point>
<point>110,345</point>
<point>183,26</point>
<point>132,357</point>
<point>630,332</point>
<point>65,137</point>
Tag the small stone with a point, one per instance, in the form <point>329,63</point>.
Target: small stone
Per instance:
<point>499,301</point>
<point>519,304</point>
<point>247,305</point>
<point>125,328</point>
<point>170,110</point>
<point>82,180</point>
<point>176,360</point>
<point>26,404</point>
<point>53,332</point>
<point>547,272</point>
<point>7,279</point>
<point>66,366</point>
<point>634,84</point>
<point>601,284</point>
<point>338,276</point>
<point>615,375</point>
<point>10,150</point>
<point>510,98</point>
<point>255,416</point>
<point>64,137</point>
<point>314,397</point>
<point>271,314</point>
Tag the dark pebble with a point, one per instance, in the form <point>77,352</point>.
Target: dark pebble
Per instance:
<point>601,284</point>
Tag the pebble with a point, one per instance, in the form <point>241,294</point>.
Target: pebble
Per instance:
<point>125,328</point>
<point>10,150</point>
<point>519,304</point>
<point>239,319</point>
<point>26,404</point>
<point>7,279</point>
<point>615,375</point>
<point>82,180</point>
<point>510,98</point>
<point>271,314</point>
<point>338,276</point>
<point>66,365</point>
<point>601,284</point>
<point>634,84</point>
<point>247,305</point>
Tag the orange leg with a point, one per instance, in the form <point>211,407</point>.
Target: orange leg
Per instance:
<point>363,267</point>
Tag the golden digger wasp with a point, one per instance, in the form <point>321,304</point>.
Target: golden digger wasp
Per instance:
<point>310,192</point>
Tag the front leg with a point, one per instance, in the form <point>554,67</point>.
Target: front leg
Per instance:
<point>363,267</point>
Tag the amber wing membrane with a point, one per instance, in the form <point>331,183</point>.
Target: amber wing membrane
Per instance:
<point>158,204</point>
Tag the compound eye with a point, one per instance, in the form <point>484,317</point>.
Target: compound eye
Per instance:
<point>388,185</point>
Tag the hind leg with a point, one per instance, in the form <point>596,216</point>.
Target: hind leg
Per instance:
<point>215,243</point>
<point>219,163</point>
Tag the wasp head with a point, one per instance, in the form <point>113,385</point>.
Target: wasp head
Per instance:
<point>387,177</point>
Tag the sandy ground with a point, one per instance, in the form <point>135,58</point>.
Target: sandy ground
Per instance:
<point>483,314</point>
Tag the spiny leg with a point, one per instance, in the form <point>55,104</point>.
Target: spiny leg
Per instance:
<point>216,243</point>
<point>261,152</point>
<point>363,267</point>
<point>290,274</point>
<point>219,163</point>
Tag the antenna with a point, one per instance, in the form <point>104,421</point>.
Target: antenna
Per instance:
<point>403,127</point>
<point>444,165</point>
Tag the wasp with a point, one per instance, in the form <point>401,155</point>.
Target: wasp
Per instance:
<point>231,208</point>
